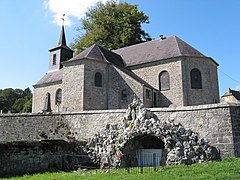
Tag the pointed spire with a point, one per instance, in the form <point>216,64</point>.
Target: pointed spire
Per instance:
<point>62,38</point>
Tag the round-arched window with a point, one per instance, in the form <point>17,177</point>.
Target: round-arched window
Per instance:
<point>59,96</point>
<point>196,79</point>
<point>164,81</point>
<point>98,79</point>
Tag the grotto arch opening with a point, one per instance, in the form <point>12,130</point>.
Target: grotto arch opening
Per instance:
<point>143,151</point>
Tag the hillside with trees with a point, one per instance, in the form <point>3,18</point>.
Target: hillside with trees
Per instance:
<point>15,100</point>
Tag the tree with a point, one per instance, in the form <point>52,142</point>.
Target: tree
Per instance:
<point>112,25</point>
<point>8,96</point>
<point>27,107</point>
<point>15,100</point>
<point>18,105</point>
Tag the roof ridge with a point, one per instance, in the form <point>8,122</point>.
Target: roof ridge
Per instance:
<point>190,46</point>
<point>178,47</point>
<point>138,44</point>
<point>98,46</point>
<point>89,50</point>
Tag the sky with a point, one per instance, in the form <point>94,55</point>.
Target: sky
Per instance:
<point>29,28</point>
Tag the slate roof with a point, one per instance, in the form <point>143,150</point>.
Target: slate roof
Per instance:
<point>156,50</point>
<point>62,41</point>
<point>128,56</point>
<point>62,38</point>
<point>234,93</point>
<point>99,53</point>
<point>50,77</point>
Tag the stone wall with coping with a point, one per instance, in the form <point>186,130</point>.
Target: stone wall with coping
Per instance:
<point>54,126</point>
<point>213,122</point>
<point>23,157</point>
<point>219,123</point>
<point>235,123</point>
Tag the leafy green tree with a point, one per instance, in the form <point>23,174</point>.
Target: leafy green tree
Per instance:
<point>8,96</point>
<point>3,103</point>
<point>27,106</point>
<point>18,105</point>
<point>15,100</point>
<point>112,25</point>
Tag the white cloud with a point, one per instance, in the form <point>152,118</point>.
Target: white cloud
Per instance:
<point>237,88</point>
<point>71,8</point>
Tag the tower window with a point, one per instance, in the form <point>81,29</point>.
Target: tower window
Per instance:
<point>59,96</point>
<point>164,81</point>
<point>54,59</point>
<point>98,79</point>
<point>196,79</point>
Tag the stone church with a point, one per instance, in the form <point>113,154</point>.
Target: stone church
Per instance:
<point>162,73</point>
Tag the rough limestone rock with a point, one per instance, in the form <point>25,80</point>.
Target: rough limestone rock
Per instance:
<point>181,145</point>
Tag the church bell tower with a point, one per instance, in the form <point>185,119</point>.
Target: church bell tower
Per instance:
<point>60,53</point>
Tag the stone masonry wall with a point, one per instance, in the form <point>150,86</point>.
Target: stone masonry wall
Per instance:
<point>150,73</point>
<point>95,97</point>
<point>235,120</point>
<point>212,122</point>
<point>117,83</point>
<point>54,126</point>
<point>210,92</point>
<point>39,95</point>
<point>220,123</point>
<point>73,78</point>
<point>38,156</point>
<point>52,67</point>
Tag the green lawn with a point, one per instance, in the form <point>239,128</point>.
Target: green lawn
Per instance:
<point>227,169</point>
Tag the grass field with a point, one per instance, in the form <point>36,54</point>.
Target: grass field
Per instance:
<point>227,169</point>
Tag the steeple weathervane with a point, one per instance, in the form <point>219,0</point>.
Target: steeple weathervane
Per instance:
<point>63,20</point>
<point>62,38</point>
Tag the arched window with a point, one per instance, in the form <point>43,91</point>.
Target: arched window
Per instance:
<point>58,96</point>
<point>47,103</point>
<point>164,81</point>
<point>98,79</point>
<point>196,79</point>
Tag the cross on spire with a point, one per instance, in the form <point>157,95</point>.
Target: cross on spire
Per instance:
<point>62,38</point>
<point>63,19</point>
